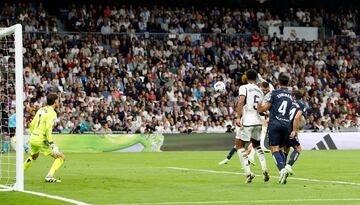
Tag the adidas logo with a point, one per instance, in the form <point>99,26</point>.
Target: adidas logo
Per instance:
<point>325,144</point>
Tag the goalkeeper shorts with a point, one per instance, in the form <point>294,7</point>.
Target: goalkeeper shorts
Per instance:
<point>40,146</point>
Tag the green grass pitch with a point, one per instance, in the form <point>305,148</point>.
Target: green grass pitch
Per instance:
<point>130,178</point>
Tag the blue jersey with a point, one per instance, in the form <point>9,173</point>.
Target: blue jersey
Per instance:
<point>296,106</point>
<point>281,102</point>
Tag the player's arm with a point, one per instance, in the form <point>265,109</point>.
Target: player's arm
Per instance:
<point>261,78</point>
<point>263,108</point>
<point>239,110</point>
<point>240,105</point>
<point>49,128</point>
<point>296,124</point>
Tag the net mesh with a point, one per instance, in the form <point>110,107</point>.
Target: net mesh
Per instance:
<point>7,110</point>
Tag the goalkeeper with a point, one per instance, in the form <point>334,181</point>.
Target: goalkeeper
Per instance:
<point>41,137</point>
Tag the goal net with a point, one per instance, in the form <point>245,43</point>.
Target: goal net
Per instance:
<point>11,109</point>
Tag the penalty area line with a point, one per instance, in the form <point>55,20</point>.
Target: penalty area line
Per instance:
<point>242,202</point>
<point>238,173</point>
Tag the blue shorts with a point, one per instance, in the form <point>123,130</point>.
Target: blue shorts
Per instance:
<point>278,134</point>
<point>292,142</point>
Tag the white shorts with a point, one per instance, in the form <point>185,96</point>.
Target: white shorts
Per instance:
<point>247,133</point>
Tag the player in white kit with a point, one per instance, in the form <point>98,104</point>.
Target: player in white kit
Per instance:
<point>249,124</point>
<point>266,88</point>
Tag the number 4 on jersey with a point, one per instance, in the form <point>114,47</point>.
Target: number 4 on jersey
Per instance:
<point>282,108</point>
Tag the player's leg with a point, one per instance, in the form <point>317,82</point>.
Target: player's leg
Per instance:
<point>284,138</point>
<point>6,143</point>
<point>59,160</point>
<point>286,152</point>
<point>34,154</point>
<point>255,140</point>
<point>12,138</point>
<point>240,140</point>
<point>229,156</point>
<point>282,154</point>
<point>294,155</point>
<point>263,136</point>
<point>277,157</point>
<point>261,155</point>
<point>274,133</point>
<point>251,154</point>
<point>274,142</point>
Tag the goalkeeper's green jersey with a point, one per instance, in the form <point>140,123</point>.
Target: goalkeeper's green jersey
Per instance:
<point>42,124</point>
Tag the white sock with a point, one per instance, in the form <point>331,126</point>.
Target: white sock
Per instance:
<point>244,160</point>
<point>251,155</point>
<point>262,137</point>
<point>262,159</point>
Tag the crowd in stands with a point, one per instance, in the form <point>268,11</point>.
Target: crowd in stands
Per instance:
<point>144,85</point>
<point>137,84</point>
<point>33,17</point>
<point>160,19</point>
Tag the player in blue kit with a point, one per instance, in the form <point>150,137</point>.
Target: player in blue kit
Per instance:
<point>297,110</point>
<point>278,128</point>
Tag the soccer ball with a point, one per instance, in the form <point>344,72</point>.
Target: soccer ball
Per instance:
<point>219,87</point>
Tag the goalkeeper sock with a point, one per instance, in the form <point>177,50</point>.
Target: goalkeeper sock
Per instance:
<point>56,165</point>
<point>28,163</point>
<point>6,146</point>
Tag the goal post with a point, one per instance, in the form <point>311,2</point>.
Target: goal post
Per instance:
<point>11,47</point>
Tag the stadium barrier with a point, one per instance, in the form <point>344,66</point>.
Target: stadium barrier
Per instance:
<point>308,140</point>
<point>190,142</point>
<point>109,142</point>
<point>198,142</point>
<point>330,141</point>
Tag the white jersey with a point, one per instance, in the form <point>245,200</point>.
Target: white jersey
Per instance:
<point>253,95</point>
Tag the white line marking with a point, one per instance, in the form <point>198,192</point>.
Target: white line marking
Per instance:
<point>5,188</point>
<point>238,173</point>
<point>71,201</point>
<point>242,202</point>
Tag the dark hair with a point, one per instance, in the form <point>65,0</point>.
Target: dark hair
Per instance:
<point>251,74</point>
<point>264,84</point>
<point>51,98</point>
<point>283,79</point>
<point>297,94</point>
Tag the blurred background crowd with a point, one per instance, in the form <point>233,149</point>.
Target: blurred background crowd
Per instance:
<point>125,78</point>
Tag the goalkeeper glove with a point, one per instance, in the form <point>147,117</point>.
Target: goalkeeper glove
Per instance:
<point>54,148</point>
